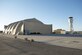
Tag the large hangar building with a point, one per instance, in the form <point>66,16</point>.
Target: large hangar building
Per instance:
<point>28,26</point>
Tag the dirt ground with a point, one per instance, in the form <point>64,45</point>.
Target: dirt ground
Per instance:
<point>12,46</point>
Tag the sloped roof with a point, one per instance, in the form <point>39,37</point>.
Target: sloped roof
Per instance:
<point>28,20</point>
<point>32,20</point>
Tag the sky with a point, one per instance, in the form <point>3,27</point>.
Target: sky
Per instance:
<point>55,12</point>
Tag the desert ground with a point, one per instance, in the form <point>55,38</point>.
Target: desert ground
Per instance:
<point>43,45</point>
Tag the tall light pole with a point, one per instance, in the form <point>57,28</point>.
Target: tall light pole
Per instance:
<point>71,24</point>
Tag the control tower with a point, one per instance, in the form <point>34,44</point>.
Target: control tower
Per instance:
<point>71,24</point>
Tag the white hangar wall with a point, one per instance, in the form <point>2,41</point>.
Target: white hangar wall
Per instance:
<point>28,26</point>
<point>36,26</point>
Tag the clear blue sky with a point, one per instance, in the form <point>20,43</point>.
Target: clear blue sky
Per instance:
<point>55,12</point>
